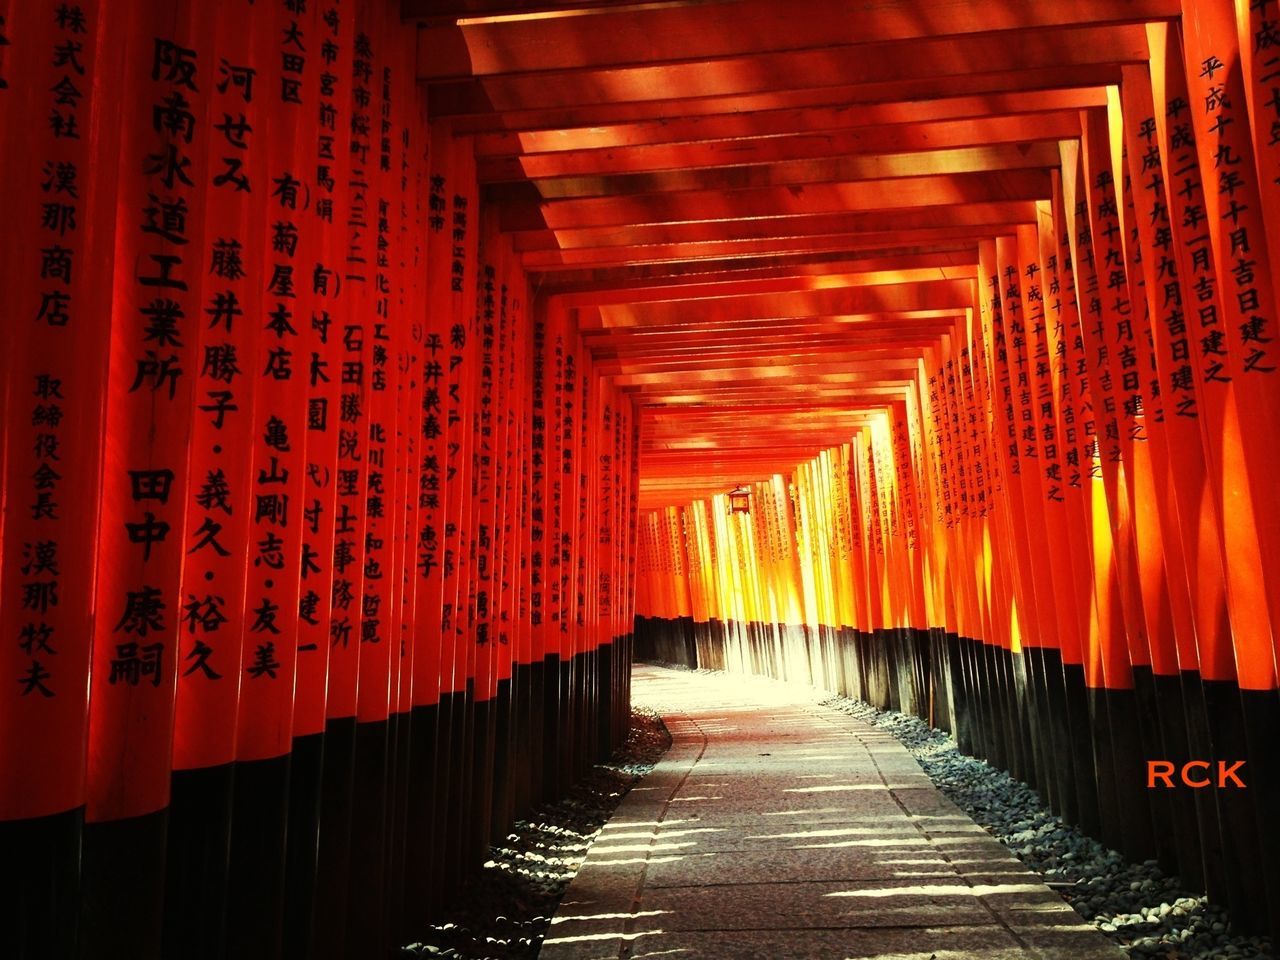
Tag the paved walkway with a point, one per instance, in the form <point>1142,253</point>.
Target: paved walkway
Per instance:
<point>777,828</point>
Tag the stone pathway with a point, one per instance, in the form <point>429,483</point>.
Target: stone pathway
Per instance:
<point>777,828</point>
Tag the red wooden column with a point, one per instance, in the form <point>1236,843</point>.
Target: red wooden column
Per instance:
<point>1040,433</point>
<point>1026,603</point>
<point>541,641</point>
<point>1144,408</point>
<point>59,207</point>
<point>1001,539</point>
<point>951,596</point>
<point>219,517</point>
<point>573,439</point>
<point>585,560</point>
<point>1002,582</point>
<point>1226,71</point>
<point>285,251</point>
<point>52,394</point>
<point>429,491</point>
<point>1101,287</point>
<point>169,70</point>
<point>621,628</point>
<point>337,328</point>
<point>1006,351</point>
<point>606,573</point>
<point>1192,542</point>
<point>512,637</point>
<point>1075,431</point>
<point>633,511</point>
<point>459,199</point>
<point>324,662</point>
<point>222,430</point>
<point>999,394</point>
<point>963,480</point>
<point>556,513</point>
<point>483,579</point>
<point>1234,221</point>
<point>384,657</point>
<point>1004,585</point>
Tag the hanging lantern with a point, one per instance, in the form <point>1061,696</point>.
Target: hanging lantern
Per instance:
<point>739,500</point>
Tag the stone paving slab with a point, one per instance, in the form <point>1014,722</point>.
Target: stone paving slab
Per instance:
<point>775,827</point>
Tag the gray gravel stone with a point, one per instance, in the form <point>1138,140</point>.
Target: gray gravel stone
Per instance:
<point>503,912</point>
<point>1135,904</point>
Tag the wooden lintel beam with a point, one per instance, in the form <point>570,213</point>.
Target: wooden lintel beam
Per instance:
<point>707,32</point>
<point>560,174</point>
<point>614,361</point>
<point>450,11</point>
<point>938,294</point>
<point>834,223</point>
<point>726,396</point>
<point>1030,154</point>
<point>484,116</point>
<point>791,373</point>
<point>929,61</point>
<point>765,124</point>
<point>751,362</point>
<point>884,273</point>
<point>853,324</point>
<point>718,256</point>
<point>701,206</point>
<point>607,286</point>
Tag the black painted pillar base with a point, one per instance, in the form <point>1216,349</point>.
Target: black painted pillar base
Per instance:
<point>337,785</point>
<point>520,738</point>
<point>643,644</point>
<point>302,864</point>
<point>482,781</point>
<point>122,888</point>
<point>455,820</point>
<point>1066,776</point>
<point>1022,705</point>
<point>1187,830</point>
<point>1112,824</point>
<point>606,727</point>
<point>1129,754</point>
<point>401,754</point>
<point>366,934</point>
<point>40,886</point>
<point>1262,721</point>
<point>1041,735</point>
<point>255,906</point>
<point>579,695</point>
<point>1149,710</point>
<point>551,729</point>
<point>996,719</point>
<point>568,726</point>
<point>420,826</point>
<point>1015,731</point>
<point>961,692</point>
<point>197,872</point>
<point>1088,792</point>
<point>443,776</point>
<point>1238,815</point>
<point>535,759</point>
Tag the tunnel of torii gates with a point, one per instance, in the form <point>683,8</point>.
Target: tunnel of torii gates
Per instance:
<point>375,374</point>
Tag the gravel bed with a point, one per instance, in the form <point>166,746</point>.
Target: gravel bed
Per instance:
<point>503,911</point>
<point>1136,904</point>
